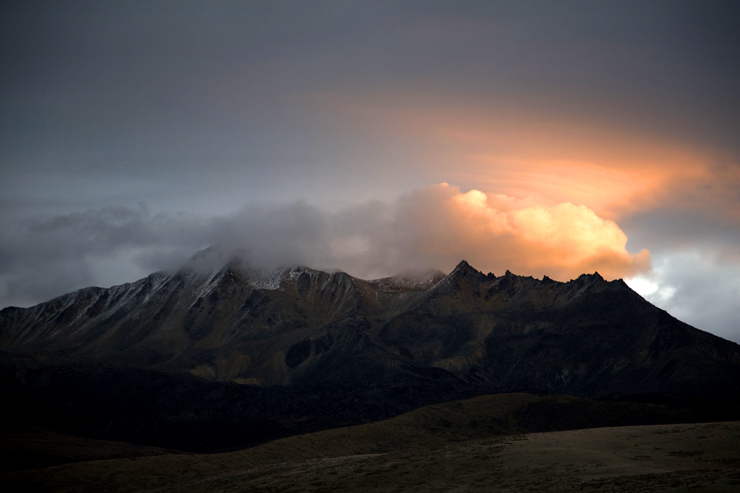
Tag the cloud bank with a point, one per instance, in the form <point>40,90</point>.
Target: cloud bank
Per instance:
<point>434,227</point>
<point>697,288</point>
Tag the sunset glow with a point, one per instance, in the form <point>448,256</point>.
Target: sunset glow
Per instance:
<point>521,152</point>
<point>504,233</point>
<point>544,138</point>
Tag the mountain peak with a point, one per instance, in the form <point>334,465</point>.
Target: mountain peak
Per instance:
<point>206,261</point>
<point>463,264</point>
<point>464,267</point>
<point>595,277</point>
<point>464,271</point>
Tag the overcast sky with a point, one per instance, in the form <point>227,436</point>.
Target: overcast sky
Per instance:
<point>546,138</point>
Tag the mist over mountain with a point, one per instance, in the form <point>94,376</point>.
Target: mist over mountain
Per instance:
<point>432,227</point>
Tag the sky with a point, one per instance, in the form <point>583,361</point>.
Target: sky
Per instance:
<point>544,138</point>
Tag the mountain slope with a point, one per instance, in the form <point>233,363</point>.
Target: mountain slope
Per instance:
<point>298,326</point>
<point>201,359</point>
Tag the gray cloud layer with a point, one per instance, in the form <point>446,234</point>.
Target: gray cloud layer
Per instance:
<point>434,227</point>
<point>49,255</point>
<point>191,99</point>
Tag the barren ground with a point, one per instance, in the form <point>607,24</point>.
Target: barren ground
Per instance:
<point>690,457</point>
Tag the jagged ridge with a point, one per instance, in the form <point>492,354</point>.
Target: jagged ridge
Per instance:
<point>298,326</point>
<point>201,359</point>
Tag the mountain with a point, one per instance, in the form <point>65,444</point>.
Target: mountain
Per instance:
<point>272,350</point>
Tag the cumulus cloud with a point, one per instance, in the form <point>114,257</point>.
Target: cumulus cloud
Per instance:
<point>434,227</point>
<point>441,224</point>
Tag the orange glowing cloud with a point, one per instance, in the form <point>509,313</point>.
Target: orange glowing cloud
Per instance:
<point>557,181</point>
<point>435,227</point>
<point>522,151</point>
<point>614,173</point>
<point>441,224</point>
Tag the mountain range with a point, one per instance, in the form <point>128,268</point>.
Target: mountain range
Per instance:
<point>221,354</point>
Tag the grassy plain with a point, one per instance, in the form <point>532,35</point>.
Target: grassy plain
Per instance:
<point>481,444</point>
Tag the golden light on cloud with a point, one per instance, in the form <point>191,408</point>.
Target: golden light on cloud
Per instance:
<point>524,151</point>
<point>611,190</point>
<point>498,232</point>
<point>611,171</point>
<point>557,182</point>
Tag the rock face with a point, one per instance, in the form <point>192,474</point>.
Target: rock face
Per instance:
<point>304,343</point>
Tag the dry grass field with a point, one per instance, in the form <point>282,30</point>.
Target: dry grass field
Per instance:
<point>461,446</point>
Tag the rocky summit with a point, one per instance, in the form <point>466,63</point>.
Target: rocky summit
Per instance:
<point>269,349</point>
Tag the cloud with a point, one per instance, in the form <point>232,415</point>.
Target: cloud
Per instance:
<point>46,256</point>
<point>441,224</point>
<point>695,287</point>
<point>524,150</point>
<point>434,227</point>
